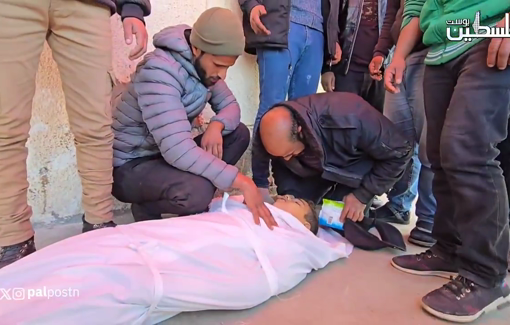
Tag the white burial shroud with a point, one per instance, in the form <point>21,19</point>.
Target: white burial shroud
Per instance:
<point>146,272</point>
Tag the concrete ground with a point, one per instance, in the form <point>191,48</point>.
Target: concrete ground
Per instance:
<point>361,290</point>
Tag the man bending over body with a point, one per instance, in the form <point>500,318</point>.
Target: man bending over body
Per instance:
<point>158,166</point>
<point>146,272</point>
<point>332,145</point>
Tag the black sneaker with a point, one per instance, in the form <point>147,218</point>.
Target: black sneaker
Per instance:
<point>426,263</point>
<point>387,215</point>
<point>141,213</point>
<point>421,235</point>
<point>90,226</point>
<point>463,301</point>
<point>12,253</point>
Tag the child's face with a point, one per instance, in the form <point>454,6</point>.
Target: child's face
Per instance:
<point>297,207</point>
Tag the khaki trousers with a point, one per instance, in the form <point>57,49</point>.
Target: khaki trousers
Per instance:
<point>79,35</point>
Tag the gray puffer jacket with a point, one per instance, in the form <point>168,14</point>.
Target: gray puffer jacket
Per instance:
<point>154,114</point>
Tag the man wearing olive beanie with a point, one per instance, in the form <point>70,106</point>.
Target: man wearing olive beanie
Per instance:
<point>158,166</point>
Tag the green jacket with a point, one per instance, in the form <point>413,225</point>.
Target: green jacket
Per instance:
<point>434,14</point>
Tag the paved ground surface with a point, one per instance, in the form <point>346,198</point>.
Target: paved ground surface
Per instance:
<point>361,290</point>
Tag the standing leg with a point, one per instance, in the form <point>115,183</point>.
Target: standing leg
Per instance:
<point>307,70</point>
<point>401,196</point>
<point>476,120</point>
<point>274,75</point>
<point>421,235</point>
<point>438,86</point>
<point>375,92</point>
<point>426,205</point>
<point>350,83</point>
<point>24,26</point>
<point>504,160</point>
<point>81,42</point>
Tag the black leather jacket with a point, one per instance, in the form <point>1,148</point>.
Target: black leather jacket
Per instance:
<point>357,145</point>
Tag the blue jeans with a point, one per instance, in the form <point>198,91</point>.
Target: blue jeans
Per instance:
<point>294,72</point>
<point>406,110</point>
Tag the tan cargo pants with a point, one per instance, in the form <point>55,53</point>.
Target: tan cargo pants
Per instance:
<point>78,32</point>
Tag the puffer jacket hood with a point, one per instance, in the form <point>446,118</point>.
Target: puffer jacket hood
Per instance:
<point>173,40</point>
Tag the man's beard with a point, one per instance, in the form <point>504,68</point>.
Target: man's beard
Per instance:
<point>207,81</point>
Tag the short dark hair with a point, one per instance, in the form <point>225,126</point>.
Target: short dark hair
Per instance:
<point>294,133</point>
<point>312,217</point>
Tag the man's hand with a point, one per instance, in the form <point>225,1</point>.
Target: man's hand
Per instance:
<point>338,55</point>
<point>255,22</point>
<point>394,74</point>
<point>499,51</point>
<point>353,209</point>
<point>134,26</point>
<point>375,67</point>
<point>254,200</point>
<point>328,81</point>
<point>212,140</point>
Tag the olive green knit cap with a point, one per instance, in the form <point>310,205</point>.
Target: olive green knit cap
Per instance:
<point>218,31</point>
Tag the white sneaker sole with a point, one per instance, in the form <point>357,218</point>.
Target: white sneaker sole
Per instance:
<point>500,303</point>
<point>441,274</point>
<point>420,243</point>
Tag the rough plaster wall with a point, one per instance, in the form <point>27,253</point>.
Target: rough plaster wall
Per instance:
<point>55,189</point>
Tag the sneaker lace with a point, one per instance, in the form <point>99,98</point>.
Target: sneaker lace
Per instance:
<point>459,286</point>
<point>426,254</point>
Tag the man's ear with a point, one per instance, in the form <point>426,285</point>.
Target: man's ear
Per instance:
<point>307,225</point>
<point>196,51</point>
<point>300,133</point>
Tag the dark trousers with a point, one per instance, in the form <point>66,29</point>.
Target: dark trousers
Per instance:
<point>160,188</point>
<point>361,84</point>
<point>504,160</point>
<point>467,106</point>
<point>313,188</point>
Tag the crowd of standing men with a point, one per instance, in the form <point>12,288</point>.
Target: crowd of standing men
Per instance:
<point>406,112</point>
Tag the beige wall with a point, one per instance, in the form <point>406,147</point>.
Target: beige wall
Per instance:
<point>55,189</point>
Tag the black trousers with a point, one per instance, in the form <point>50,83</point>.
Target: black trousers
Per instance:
<point>361,84</point>
<point>467,106</point>
<point>313,188</point>
<point>504,160</point>
<point>160,188</point>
